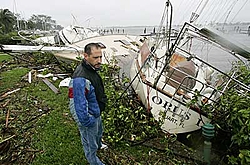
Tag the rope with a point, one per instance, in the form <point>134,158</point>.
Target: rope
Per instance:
<point>187,12</point>
<point>239,10</point>
<point>226,10</point>
<point>231,8</point>
<point>212,7</point>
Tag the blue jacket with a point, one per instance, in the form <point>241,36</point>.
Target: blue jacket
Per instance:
<point>86,94</point>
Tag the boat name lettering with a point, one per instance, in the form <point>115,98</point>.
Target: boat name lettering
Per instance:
<point>171,119</point>
<point>169,107</point>
<point>199,122</point>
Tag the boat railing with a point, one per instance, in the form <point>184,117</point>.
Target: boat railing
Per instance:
<point>189,86</point>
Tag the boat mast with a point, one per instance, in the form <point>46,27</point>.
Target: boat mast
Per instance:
<point>195,15</point>
<point>169,51</point>
<point>165,30</point>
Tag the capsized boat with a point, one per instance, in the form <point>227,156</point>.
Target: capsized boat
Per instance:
<point>177,84</point>
<point>118,49</point>
<point>68,36</point>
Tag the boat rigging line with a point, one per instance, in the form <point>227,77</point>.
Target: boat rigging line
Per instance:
<point>152,50</point>
<point>169,51</point>
<point>229,12</point>
<point>239,11</point>
<point>213,7</point>
<point>167,30</point>
<point>137,74</point>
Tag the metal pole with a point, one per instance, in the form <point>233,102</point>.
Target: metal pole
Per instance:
<point>208,133</point>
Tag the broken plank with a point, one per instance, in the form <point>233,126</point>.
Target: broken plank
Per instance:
<point>51,86</point>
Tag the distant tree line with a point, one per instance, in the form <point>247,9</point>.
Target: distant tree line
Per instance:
<point>10,22</point>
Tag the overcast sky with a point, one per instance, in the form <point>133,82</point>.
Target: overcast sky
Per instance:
<point>129,12</point>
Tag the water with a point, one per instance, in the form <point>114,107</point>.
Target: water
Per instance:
<point>240,30</point>
<point>131,30</point>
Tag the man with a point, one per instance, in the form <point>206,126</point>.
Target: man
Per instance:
<point>87,101</point>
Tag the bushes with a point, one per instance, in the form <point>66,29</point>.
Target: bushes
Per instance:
<point>233,116</point>
<point>124,117</point>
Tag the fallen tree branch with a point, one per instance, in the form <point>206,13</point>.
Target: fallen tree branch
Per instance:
<point>7,118</point>
<point>10,92</point>
<point>7,139</point>
<point>5,104</point>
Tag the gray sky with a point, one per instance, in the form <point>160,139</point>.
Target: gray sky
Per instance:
<point>128,12</point>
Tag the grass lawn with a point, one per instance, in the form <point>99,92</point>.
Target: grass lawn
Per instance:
<point>52,133</point>
<point>4,57</point>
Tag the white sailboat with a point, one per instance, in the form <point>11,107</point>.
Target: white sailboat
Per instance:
<point>166,83</point>
<point>177,84</point>
<point>68,36</point>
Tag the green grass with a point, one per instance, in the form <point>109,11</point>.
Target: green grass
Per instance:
<point>11,78</point>
<point>4,57</point>
<point>57,134</point>
<point>58,140</point>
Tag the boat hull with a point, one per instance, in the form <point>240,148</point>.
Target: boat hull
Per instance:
<point>168,109</point>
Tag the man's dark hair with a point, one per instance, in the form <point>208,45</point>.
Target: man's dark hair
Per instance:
<point>87,48</point>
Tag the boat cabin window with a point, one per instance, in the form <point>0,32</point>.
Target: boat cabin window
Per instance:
<point>114,49</point>
<point>125,42</point>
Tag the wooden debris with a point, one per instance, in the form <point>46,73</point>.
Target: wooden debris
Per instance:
<point>7,118</point>
<point>61,76</point>
<point>29,77</point>
<point>51,86</point>
<point>7,102</point>
<point>10,92</point>
<point>7,139</point>
<point>8,113</point>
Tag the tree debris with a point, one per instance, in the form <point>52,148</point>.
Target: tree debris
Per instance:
<point>8,93</point>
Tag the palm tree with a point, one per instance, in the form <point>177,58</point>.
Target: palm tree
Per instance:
<point>7,21</point>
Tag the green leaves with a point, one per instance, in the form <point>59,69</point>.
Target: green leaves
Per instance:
<point>244,157</point>
<point>124,116</point>
<point>7,21</point>
<point>233,115</point>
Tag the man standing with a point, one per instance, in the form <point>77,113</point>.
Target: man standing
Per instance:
<point>87,101</point>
